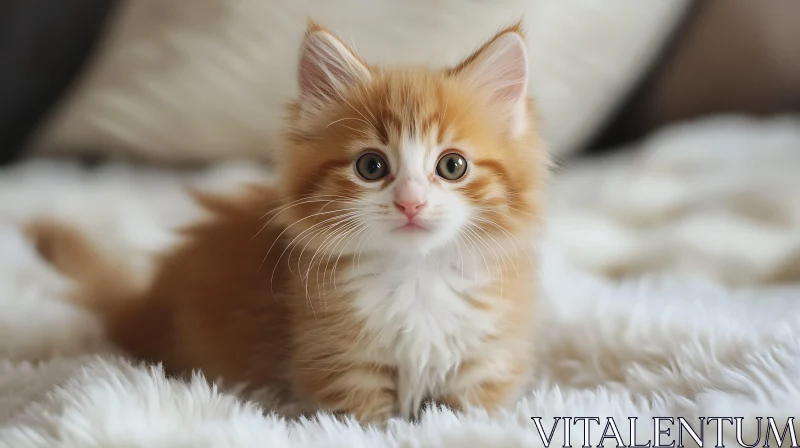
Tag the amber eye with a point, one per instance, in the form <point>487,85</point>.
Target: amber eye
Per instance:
<point>451,166</point>
<point>372,167</point>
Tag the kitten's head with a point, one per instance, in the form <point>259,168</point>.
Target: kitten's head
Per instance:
<point>412,159</point>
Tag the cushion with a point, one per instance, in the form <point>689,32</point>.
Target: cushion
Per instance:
<point>178,84</point>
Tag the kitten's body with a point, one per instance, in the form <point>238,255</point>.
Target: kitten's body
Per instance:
<point>330,295</point>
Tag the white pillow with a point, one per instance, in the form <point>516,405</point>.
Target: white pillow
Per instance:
<point>179,81</point>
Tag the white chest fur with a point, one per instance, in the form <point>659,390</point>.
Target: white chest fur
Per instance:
<point>420,319</point>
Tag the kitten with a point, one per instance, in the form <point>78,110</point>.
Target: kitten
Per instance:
<point>393,264</point>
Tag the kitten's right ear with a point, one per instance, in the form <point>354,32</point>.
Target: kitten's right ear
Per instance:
<point>500,68</point>
<point>327,68</point>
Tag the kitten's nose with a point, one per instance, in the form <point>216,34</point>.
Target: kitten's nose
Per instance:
<point>410,208</point>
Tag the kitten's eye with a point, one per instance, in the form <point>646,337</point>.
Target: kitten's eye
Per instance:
<point>451,166</point>
<point>371,167</point>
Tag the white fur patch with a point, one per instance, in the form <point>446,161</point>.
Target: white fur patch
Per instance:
<point>416,313</point>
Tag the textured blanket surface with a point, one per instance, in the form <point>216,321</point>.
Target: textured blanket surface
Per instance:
<point>623,332</point>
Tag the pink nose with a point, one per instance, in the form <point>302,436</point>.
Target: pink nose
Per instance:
<point>410,208</point>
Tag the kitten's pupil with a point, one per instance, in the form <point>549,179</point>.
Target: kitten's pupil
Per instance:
<point>452,165</point>
<point>373,166</point>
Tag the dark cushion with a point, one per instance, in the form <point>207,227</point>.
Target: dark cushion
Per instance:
<point>43,46</point>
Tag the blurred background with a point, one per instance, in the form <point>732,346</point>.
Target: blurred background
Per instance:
<point>673,122</point>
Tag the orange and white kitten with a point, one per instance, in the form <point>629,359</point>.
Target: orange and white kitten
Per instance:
<point>393,264</point>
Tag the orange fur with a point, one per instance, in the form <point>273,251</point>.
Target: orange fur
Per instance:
<point>282,297</point>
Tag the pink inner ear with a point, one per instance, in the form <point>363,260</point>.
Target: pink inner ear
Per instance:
<point>312,79</point>
<point>511,93</point>
<point>502,68</point>
<point>327,68</point>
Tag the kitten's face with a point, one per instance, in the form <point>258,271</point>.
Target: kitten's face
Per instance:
<point>415,160</point>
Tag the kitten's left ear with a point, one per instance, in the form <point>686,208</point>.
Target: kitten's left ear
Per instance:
<point>500,68</point>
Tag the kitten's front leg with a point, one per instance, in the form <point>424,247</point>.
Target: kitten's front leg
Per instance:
<point>366,391</point>
<point>487,383</point>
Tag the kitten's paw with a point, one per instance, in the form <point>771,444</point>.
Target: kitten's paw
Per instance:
<point>377,410</point>
<point>368,407</point>
<point>491,396</point>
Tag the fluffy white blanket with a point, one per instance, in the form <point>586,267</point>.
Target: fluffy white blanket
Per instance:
<point>712,199</point>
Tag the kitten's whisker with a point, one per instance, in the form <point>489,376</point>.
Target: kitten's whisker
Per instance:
<point>369,235</point>
<point>321,248</point>
<point>469,248</point>
<point>309,238</point>
<point>516,242</point>
<point>460,255</point>
<point>290,206</point>
<point>278,238</point>
<point>510,207</point>
<point>310,198</point>
<point>504,256</point>
<point>283,201</point>
<point>344,232</point>
<point>356,130</point>
<point>356,231</point>
<point>358,199</point>
<point>309,299</point>
<point>357,251</point>
<point>313,227</point>
<point>375,120</point>
<point>463,109</point>
<point>362,227</point>
<point>374,127</point>
<point>493,253</point>
<point>499,246</point>
<point>277,211</point>
<point>328,228</point>
<point>364,221</point>
<point>504,230</point>
<point>347,118</point>
<point>288,260</point>
<point>319,231</point>
<point>300,197</point>
<point>322,290</point>
<point>475,245</point>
